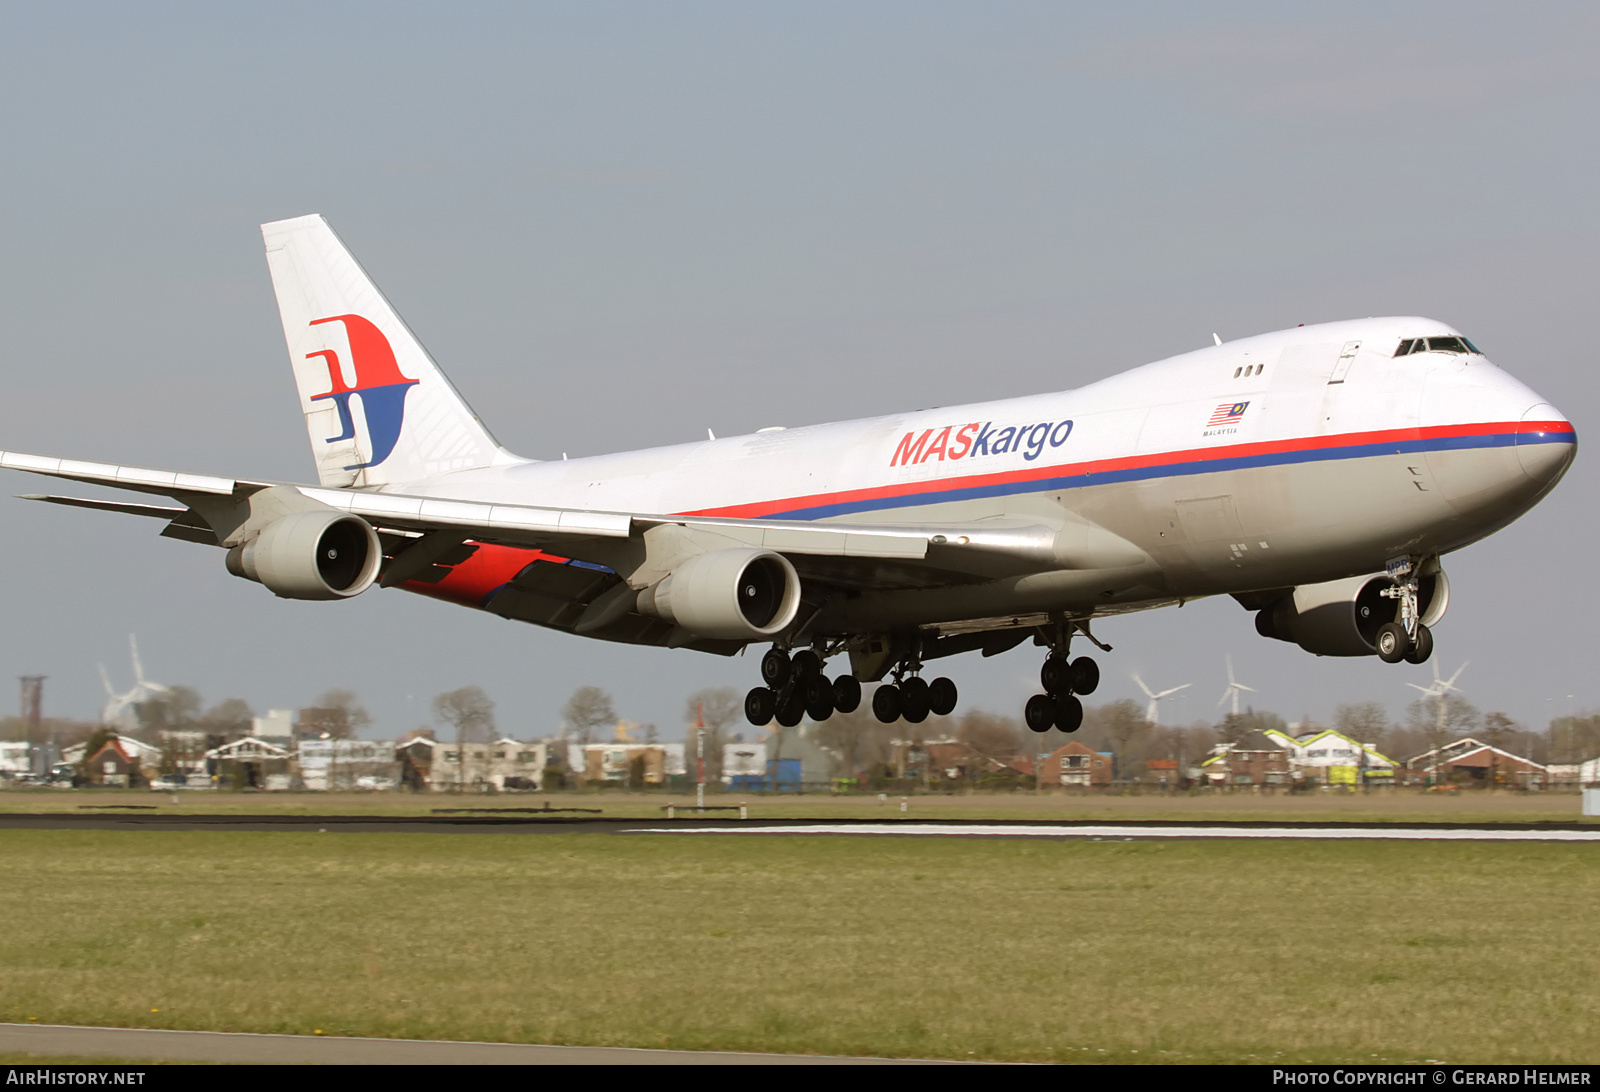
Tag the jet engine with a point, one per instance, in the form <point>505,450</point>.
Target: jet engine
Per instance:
<point>735,594</point>
<point>1341,617</point>
<point>321,554</point>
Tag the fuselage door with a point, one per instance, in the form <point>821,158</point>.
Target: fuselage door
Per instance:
<point>1341,367</point>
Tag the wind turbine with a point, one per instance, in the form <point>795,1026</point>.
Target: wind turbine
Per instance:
<point>1438,691</point>
<point>1152,710</point>
<point>1234,686</point>
<point>117,705</point>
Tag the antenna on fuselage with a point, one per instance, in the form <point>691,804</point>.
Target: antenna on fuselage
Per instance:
<point>1216,337</point>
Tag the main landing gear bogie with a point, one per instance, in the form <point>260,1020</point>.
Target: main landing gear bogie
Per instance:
<point>796,688</point>
<point>914,699</point>
<point>1063,679</point>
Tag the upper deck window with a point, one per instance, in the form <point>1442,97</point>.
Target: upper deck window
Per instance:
<point>1436,345</point>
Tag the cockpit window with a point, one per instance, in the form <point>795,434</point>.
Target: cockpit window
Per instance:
<point>1436,345</point>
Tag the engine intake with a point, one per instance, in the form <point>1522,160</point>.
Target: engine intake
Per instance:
<point>740,594</point>
<point>1341,617</point>
<point>311,555</point>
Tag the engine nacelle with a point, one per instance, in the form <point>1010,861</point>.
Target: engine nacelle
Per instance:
<point>319,554</point>
<point>737,594</point>
<point>1341,617</point>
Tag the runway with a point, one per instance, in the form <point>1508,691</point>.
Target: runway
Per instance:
<point>1548,831</point>
<point>1131,832</point>
<point>87,1044</point>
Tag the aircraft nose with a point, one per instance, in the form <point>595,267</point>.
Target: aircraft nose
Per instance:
<point>1546,444</point>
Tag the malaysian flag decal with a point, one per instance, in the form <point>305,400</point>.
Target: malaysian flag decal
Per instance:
<point>1227,414</point>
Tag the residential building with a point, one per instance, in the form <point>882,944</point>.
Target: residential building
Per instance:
<point>15,759</point>
<point>475,767</point>
<point>1471,762</point>
<point>634,764</point>
<point>147,756</point>
<point>251,762</point>
<point>1075,766</point>
<point>1329,757</point>
<point>1256,761</point>
<point>328,764</point>
<point>742,759</point>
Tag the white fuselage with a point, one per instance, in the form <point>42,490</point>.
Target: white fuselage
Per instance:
<point>1289,458</point>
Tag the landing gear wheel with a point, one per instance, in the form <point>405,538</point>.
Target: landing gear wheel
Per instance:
<point>1040,712</point>
<point>760,705</point>
<point>1056,675</point>
<point>914,700</point>
<point>1422,647</point>
<point>807,665</point>
<point>792,711</point>
<point>886,704</point>
<point>941,697</point>
<point>775,668</point>
<point>819,699</point>
<point>1392,642</point>
<point>1069,713</point>
<point>846,693</point>
<point>1085,675</point>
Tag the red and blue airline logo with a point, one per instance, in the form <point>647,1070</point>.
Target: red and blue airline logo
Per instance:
<point>378,381</point>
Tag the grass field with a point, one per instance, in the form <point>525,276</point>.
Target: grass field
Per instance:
<point>1059,951</point>
<point>1404,806</point>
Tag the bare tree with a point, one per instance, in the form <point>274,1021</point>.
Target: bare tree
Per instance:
<point>1125,722</point>
<point>1364,722</point>
<point>1573,739</point>
<point>172,710</point>
<point>716,708</point>
<point>993,737</point>
<point>1498,729</point>
<point>338,715</point>
<point>471,713</point>
<point>229,718</point>
<point>858,741</point>
<point>589,708</point>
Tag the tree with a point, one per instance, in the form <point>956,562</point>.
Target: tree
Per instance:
<point>589,708</point>
<point>1573,739</point>
<point>1439,718</point>
<point>338,715</point>
<point>1364,722</point>
<point>171,710</point>
<point>230,717</point>
<point>1498,729</point>
<point>471,713</point>
<point>1125,722</point>
<point>993,737</point>
<point>858,742</point>
<point>715,708</point>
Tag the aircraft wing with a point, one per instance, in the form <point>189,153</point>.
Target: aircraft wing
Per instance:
<point>854,555</point>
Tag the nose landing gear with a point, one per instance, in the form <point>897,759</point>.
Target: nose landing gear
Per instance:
<point>1406,638</point>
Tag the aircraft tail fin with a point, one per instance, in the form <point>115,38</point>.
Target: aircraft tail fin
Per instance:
<point>378,409</point>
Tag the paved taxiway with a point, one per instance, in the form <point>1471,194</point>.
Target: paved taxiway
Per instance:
<point>968,828</point>
<point>87,1044</point>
